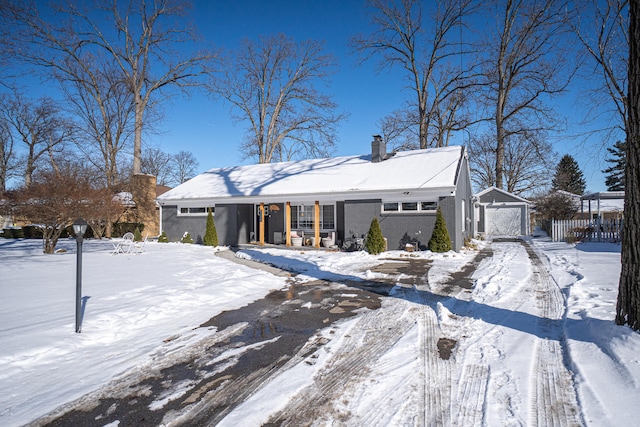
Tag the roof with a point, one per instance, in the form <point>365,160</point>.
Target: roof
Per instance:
<point>506,194</point>
<point>418,170</point>
<point>604,201</point>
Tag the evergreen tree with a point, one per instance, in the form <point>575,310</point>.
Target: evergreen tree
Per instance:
<point>137,236</point>
<point>210,234</point>
<point>440,240</point>
<point>375,240</point>
<point>186,238</point>
<point>163,238</point>
<point>568,176</point>
<point>615,173</point>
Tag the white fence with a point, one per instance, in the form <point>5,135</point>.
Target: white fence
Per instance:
<point>584,230</point>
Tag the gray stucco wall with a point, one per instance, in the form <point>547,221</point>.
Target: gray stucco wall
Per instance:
<point>398,228</point>
<point>498,196</point>
<point>175,226</point>
<point>232,224</point>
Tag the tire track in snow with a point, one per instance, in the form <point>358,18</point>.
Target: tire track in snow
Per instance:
<point>553,399</point>
<point>367,341</point>
<point>437,371</point>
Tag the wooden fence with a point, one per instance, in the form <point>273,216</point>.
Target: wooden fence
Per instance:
<point>584,230</point>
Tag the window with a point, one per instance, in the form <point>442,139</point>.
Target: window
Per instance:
<point>327,218</point>
<point>409,207</point>
<point>197,211</point>
<point>303,217</point>
<point>390,207</point>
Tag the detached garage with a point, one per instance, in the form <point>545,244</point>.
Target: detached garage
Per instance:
<point>501,213</point>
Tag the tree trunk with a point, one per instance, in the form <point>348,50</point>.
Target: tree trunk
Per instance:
<point>628,306</point>
<point>137,136</point>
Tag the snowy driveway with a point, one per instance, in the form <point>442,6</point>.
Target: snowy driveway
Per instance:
<point>472,338</point>
<point>455,335</point>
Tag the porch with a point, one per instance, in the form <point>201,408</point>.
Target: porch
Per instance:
<point>303,225</point>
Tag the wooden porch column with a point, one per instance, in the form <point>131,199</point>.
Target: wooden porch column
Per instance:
<point>287,223</point>
<point>316,224</point>
<point>261,223</point>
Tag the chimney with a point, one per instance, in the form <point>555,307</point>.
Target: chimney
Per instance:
<point>378,149</point>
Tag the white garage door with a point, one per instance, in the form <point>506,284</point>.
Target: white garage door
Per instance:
<point>504,220</point>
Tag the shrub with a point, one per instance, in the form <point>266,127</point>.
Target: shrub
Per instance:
<point>119,229</point>
<point>137,236</point>
<point>163,238</point>
<point>210,234</point>
<point>186,238</point>
<point>375,240</point>
<point>440,240</point>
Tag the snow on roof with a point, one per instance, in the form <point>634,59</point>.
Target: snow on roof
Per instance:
<point>430,168</point>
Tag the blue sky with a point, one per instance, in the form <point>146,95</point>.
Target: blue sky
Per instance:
<point>204,126</point>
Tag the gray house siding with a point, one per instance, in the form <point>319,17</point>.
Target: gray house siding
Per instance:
<point>175,226</point>
<point>401,228</point>
<point>496,196</point>
<point>232,224</point>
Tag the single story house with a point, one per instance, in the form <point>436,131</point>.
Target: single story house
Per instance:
<point>501,213</point>
<point>328,200</point>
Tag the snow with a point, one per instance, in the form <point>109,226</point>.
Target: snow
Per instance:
<point>437,168</point>
<point>141,306</point>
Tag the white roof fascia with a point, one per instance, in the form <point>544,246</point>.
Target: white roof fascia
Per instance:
<point>415,195</point>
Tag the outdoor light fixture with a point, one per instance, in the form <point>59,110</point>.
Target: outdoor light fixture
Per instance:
<point>79,228</point>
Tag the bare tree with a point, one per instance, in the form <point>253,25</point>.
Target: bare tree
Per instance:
<point>272,84</point>
<point>7,157</point>
<point>101,102</point>
<point>603,31</point>
<point>39,125</point>
<point>528,162</point>
<point>184,167</point>
<point>525,65</point>
<point>425,48</point>
<point>159,164</point>
<point>628,304</point>
<point>399,130</point>
<point>147,42</point>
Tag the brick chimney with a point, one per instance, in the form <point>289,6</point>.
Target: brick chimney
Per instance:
<point>378,149</point>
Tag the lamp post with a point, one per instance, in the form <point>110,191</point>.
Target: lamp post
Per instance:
<point>79,228</point>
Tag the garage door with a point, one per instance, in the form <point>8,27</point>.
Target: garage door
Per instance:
<point>504,220</point>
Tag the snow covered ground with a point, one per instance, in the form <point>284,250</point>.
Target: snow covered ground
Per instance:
<point>534,339</point>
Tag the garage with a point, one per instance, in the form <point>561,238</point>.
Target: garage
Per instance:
<point>501,213</point>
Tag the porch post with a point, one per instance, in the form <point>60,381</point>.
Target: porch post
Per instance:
<point>261,223</point>
<point>316,224</point>
<point>287,223</point>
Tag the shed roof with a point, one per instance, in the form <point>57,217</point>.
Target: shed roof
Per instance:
<point>434,168</point>
<point>487,194</point>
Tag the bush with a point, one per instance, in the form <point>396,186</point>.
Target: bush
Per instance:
<point>121,228</point>
<point>375,240</point>
<point>137,236</point>
<point>186,238</point>
<point>210,235</point>
<point>440,240</point>
<point>163,238</point>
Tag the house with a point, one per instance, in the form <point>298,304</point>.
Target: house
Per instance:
<point>500,213</point>
<point>332,199</point>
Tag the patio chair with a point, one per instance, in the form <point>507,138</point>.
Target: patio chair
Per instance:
<point>124,246</point>
<point>138,247</point>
